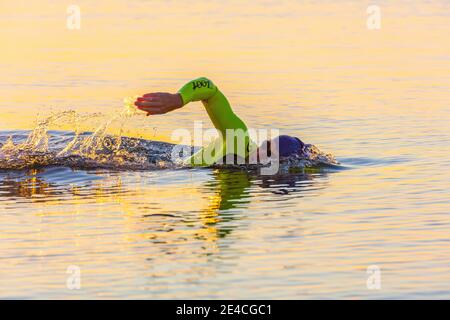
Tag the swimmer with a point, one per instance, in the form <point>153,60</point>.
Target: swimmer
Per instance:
<point>223,118</point>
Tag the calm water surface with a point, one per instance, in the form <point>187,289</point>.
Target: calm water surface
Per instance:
<point>378,100</point>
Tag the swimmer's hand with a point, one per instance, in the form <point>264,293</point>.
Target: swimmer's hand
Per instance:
<point>159,102</point>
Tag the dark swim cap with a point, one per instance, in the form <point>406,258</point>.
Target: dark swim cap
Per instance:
<point>289,145</point>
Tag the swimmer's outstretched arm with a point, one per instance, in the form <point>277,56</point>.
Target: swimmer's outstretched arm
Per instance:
<point>201,89</point>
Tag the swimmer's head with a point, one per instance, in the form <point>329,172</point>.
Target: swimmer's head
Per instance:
<point>282,146</point>
<point>289,145</point>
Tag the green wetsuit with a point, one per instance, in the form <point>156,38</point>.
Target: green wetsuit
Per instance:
<point>223,118</point>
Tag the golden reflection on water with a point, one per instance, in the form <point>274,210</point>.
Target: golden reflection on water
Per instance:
<point>222,203</point>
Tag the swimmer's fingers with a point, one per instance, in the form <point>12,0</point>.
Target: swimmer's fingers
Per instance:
<point>141,103</point>
<point>159,102</point>
<point>156,97</point>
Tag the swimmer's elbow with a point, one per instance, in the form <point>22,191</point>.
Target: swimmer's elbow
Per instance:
<point>204,83</point>
<point>198,89</point>
<point>203,89</point>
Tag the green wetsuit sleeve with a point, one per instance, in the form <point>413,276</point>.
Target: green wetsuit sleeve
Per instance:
<point>216,104</point>
<point>219,111</point>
